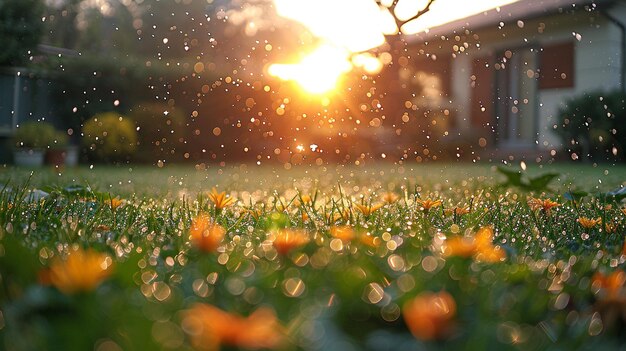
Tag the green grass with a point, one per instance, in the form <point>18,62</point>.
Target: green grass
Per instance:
<point>328,294</point>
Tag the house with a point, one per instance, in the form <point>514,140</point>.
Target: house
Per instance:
<point>505,72</point>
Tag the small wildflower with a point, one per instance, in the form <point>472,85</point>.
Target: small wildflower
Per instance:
<point>344,233</point>
<point>81,271</point>
<point>210,327</point>
<point>480,247</point>
<point>337,216</point>
<point>367,210</point>
<point>458,211</point>
<point>286,240</point>
<point>589,223</point>
<point>369,240</point>
<point>610,227</point>
<point>427,204</point>
<point>116,202</point>
<point>220,199</point>
<point>306,200</point>
<point>430,315</point>
<point>205,235</point>
<point>255,213</point>
<point>609,286</point>
<point>545,205</point>
<point>390,197</point>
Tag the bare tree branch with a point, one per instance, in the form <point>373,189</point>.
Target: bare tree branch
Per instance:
<point>400,23</point>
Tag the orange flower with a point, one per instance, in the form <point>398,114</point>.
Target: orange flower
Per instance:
<point>337,216</point>
<point>542,204</point>
<point>205,235</point>
<point>610,227</point>
<point>210,327</point>
<point>480,247</point>
<point>611,286</point>
<point>344,233</point>
<point>255,213</point>
<point>286,240</point>
<point>427,204</point>
<point>220,199</point>
<point>369,240</point>
<point>80,271</point>
<point>306,199</point>
<point>390,197</point>
<point>430,315</point>
<point>367,210</point>
<point>460,246</point>
<point>459,211</point>
<point>116,202</point>
<point>589,223</point>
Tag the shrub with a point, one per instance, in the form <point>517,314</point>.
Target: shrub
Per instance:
<point>591,125</point>
<point>34,135</point>
<point>110,137</point>
<point>161,130</point>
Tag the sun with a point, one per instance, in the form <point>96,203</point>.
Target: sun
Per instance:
<point>318,72</point>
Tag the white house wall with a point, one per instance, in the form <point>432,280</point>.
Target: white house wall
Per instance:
<point>597,61</point>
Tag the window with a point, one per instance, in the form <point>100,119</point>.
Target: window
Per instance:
<point>557,66</point>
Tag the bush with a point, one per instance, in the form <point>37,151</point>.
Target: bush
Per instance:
<point>161,131</point>
<point>591,125</point>
<point>110,137</point>
<point>34,135</point>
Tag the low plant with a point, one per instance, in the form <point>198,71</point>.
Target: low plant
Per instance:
<point>34,135</point>
<point>110,137</point>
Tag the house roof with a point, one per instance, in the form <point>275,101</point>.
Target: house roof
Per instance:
<point>520,10</point>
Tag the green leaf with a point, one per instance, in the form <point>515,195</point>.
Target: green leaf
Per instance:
<point>541,182</point>
<point>512,177</point>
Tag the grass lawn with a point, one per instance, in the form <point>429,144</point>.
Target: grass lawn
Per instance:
<point>381,257</point>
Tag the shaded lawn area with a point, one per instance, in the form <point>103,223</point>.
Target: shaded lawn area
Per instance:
<point>176,181</point>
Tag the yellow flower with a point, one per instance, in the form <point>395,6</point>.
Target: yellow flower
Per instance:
<point>80,271</point>
<point>480,247</point>
<point>542,204</point>
<point>344,233</point>
<point>428,203</point>
<point>430,315</point>
<point>390,197</point>
<point>286,240</point>
<point>204,234</point>
<point>210,327</point>
<point>367,210</point>
<point>589,223</point>
<point>220,199</point>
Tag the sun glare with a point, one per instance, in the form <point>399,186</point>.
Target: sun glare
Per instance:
<point>318,72</point>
